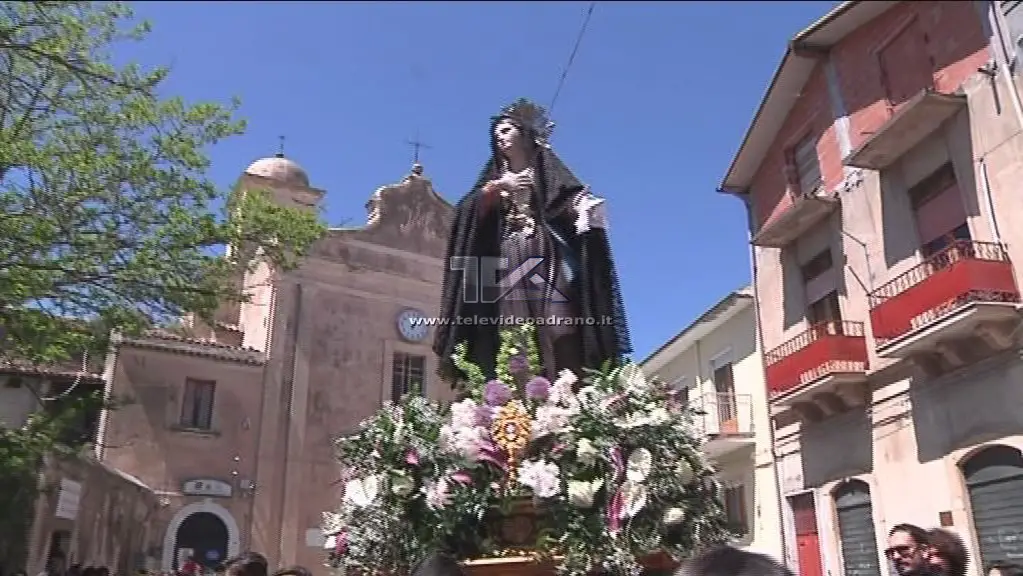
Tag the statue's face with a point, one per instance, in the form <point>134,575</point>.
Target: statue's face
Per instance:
<point>508,136</point>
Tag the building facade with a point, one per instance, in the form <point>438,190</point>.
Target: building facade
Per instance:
<point>86,512</point>
<point>882,174</point>
<point>233,425</point>
<point>716,365</point>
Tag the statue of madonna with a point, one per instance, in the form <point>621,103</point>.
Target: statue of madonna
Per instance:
<point>550,233</point>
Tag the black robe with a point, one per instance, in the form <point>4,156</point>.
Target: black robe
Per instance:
<point>595,283</point>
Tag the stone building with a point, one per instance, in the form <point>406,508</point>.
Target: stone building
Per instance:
<point>232,426</point>
<point>882,176</point>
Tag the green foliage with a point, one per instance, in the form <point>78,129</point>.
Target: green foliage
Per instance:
<point>106,212</point>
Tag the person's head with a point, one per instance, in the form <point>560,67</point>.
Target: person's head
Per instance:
<point>246,564</point>
<point>729,561</point>
<point>437,565</point>
<point>908,548</point>
<point>947,552</point>
<point>1004,569</point>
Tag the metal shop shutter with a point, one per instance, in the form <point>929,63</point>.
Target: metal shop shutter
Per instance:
<point>856,529</point>
<point>994,481</point>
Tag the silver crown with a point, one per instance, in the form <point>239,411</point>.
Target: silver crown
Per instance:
<point>530,116</point>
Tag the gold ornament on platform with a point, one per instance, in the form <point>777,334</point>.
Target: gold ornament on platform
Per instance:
<point>511,430</point>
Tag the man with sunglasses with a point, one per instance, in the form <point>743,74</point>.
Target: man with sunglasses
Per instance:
<point>908,550</point>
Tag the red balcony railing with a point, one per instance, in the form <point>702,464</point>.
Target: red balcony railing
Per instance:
<point>965,272</point>
<point>827,348</point>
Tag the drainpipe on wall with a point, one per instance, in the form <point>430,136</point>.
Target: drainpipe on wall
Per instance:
<point>985,186</point>
<point>779,494</point>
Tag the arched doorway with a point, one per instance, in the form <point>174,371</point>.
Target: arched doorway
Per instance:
<point>994,482</point>
<point>202,535</point>
<point>856,529</point>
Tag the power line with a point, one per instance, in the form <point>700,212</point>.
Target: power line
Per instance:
<point>571,57</point>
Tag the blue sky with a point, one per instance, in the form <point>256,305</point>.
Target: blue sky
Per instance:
<point>652,111</point>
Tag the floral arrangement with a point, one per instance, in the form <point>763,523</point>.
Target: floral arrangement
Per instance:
<point>609,461</point>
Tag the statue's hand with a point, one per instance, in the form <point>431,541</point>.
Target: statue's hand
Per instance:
<point>590,212</point>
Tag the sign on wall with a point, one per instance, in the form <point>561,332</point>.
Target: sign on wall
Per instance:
<point>68,499</point>
<point>207,487</point>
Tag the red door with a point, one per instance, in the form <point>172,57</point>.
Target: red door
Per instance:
<point>808,543</point>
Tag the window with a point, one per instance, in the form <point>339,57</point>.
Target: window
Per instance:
<point>682,386</point>
<point>817,266</point>
<point>735,509</point>
<point>804,167</point>
<point>197,404</point>
<point>825,315</point>
<point>822,297</point>
<point>407,375</point>
<point>1013,11</point>
<point>938,211</point>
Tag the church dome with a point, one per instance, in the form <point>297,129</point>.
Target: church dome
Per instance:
<point>280,169</point>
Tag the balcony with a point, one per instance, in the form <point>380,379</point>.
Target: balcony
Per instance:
<point>724,421</point>
<point>915,120</point>
<point>803,214</point>
<point>939,311</point>
<point>820,372</point>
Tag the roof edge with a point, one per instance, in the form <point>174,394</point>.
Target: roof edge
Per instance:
<point>733,302</point>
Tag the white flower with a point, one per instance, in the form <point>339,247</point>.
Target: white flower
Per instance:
<point>659,416</point>
<point>401,485</point>
<point>631,378</point>
<point>543,478</point>
<point>634,497</point>
<point>361,492</point>
<point>549,420</point>
<point>585,452</point>
<point>437,496</point>
<point>588,396</point>
<point>673,516</point>
<point>639,464</point>
<point>581,494</point>
<point>468,442</point>
<point>463,414</point>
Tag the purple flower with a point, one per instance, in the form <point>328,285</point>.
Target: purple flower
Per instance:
<point>538,388</point>
<point>484,416</point>
<point>495,393</point>
<point>518,364</point>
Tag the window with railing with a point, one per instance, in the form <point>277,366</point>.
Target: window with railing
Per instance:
<point>408,373</point>
<point>727,405</point>
<point>823,311</point>
<point>938,211</point>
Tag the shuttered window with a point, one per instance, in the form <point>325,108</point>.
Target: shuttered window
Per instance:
<point>407,375</point>
<point>994,481</point>
<point>856,530</point>
<point>804,166</point>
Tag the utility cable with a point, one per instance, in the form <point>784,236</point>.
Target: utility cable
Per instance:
<point>571,57</point>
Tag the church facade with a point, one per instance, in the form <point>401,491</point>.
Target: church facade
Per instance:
<point>233,425</point>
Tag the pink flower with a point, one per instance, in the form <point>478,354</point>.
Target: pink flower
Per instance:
<point>614,512</point>
<point>462,477</point>
<point>412,458</point>
<point>538,388</point>
<point>341,543</point>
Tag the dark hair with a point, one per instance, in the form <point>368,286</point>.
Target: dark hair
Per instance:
<point>729,561</point>
<point>918,534</point>
<point>245,564</point>
<point>951,549</point>
<point>1005,568</point>
<point>293,571</point>
<point>437,565</point>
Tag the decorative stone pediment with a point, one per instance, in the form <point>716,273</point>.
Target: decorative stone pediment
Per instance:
<point>409,216</point>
